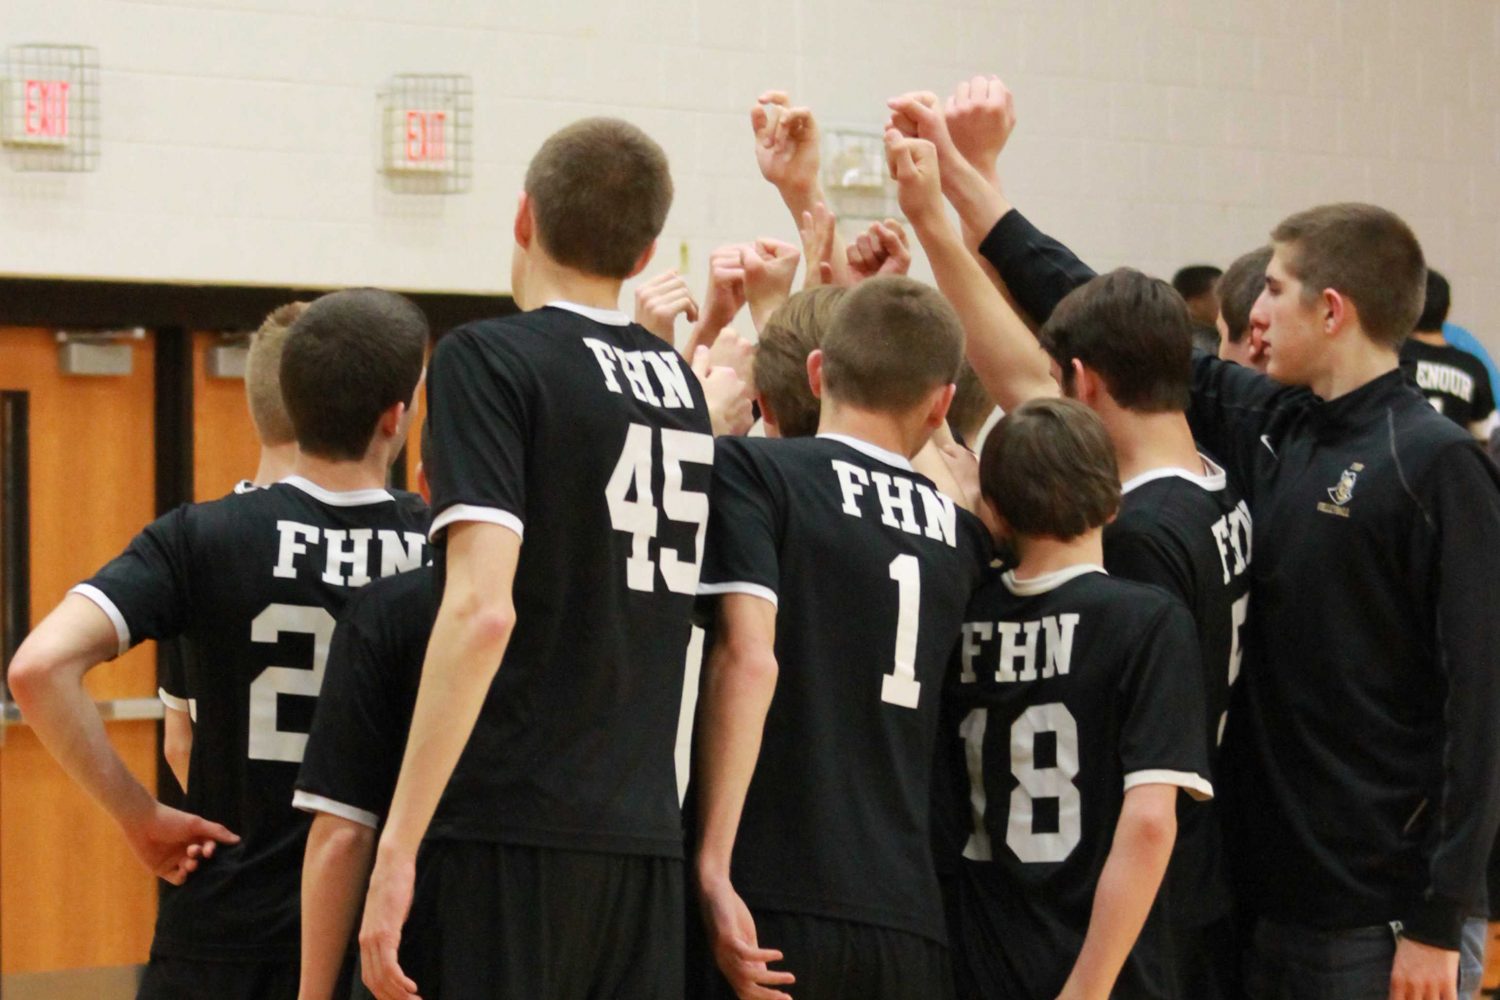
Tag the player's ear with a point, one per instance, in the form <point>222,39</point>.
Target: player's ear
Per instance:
<point>815,373</point>
<point>393,422</point>
<point>643,260</point>
<point>1085,383</point>
<point>525,226</point>
<point>1337,310</point>
<point>938,402</point>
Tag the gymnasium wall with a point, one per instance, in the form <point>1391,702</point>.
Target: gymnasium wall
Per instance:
<point>239,135</point>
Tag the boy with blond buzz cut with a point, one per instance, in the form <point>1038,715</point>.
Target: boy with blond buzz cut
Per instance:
<point>1074,717</point>
<point>840,576</point>
<point>540,763</point>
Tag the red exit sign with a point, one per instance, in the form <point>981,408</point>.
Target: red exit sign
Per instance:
<point>44,110</point>
<point>426,140</point>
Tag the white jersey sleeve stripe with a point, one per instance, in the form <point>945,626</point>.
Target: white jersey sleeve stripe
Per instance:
<point>122,631</point>
<point>173,702</point>
<point>308,802</point>
<point>461,512</point>
<point>1194,784</point>
<point>738,587</point>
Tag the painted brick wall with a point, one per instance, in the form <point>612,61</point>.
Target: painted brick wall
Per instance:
<point>239,135</point>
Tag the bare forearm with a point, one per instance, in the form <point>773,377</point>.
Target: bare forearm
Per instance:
<point>1005,355</point>
<point>737,691</point>
<point>1127,887</point>
<point>335,871</point>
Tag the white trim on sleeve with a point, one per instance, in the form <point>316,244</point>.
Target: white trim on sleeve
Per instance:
<point>739,587</point>
<point>1194,784</point>
<point>461,512</point>
<point>93,593</point>
<point>173,702</point>
<point>308,802</point>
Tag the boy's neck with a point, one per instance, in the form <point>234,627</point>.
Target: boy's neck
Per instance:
<point>277,461</point>
<point>547,281</point>
<point>1361,362</point>
<point>1433,337</point>
<point>902,435</point>
<point>368,473</point>
<point>1040,555</point>
<point>1145,442</point>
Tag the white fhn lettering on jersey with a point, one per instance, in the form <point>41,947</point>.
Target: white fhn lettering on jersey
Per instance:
<point>1435,377</point>
<point>346,553</point>
<point>1018,648</point>
<point>399,553</point>
<point>669,390</point>
<point>356,557</point>
<point>1232,533</point>
<point>291,548</point>
<point>974,635</point>
<point>896,496</point>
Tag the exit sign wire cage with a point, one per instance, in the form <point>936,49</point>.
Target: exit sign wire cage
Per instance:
<point>49,107</point>
<point>426,133</point>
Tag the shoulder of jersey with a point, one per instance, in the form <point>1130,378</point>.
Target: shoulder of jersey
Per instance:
<point>1147,598</point>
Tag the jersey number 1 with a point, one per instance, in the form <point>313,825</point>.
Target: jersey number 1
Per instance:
<point>638,517</point>
<point>267,740</point>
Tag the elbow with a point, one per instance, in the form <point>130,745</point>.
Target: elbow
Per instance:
<point>27,676</point>
<point>486,620</point>
<point>336,837</point>
<point>1155,830</point>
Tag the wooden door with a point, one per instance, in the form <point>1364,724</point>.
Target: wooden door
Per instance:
<point>71,893</point>
<point>225,449</point>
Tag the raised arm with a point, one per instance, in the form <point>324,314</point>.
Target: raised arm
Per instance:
<point>739,679</point>
<point>787,152</point>
<point>469,639</point>
<point>46,678</point>
<point>1007,358</point>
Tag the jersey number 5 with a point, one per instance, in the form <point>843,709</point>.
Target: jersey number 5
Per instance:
<point>638,517</point>
<point>267,740</point>
<point>1032,783</point>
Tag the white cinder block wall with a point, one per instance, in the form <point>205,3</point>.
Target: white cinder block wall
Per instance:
<point>238,135</point>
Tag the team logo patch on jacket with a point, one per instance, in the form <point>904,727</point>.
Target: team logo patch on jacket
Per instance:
<point>1343,492</point>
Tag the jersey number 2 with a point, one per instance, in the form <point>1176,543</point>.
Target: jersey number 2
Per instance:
<point>267,740</point>
<point>1032,783</point>
<point>638,517</point>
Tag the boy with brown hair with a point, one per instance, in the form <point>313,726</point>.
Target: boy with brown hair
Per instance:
<point>1073,718</point>
<point>538,777</point>
<point>840,576</point>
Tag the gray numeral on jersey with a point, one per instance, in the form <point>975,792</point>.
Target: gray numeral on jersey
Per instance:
<point>267,740</point>
<point>638,518</point>
<point>1032,783</point>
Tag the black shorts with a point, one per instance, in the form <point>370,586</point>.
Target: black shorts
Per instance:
<point>836,960</point>
<point>496,921</point>
<point>169,978</point>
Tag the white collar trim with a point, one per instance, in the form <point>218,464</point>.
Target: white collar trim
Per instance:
<point>348,498</point>
<point>1032,586</point>
<point>609,317</point>
<point>869,450</point>
<point>1213,478</point>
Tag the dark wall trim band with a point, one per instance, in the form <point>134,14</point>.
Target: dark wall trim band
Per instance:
<point>59,303</point>
<point>15,522</point>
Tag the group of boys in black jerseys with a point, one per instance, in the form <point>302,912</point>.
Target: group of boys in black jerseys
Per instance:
<point>1360,760</point>
<point>914,774</point>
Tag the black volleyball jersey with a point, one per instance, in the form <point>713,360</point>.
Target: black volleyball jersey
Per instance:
<point>369,690</point>
<point>870,568</point>
<point>1455,382</point>
<point>252,583</point>
<point>1069,690</point>
<point>588,436</point>
<point>1191,535</point>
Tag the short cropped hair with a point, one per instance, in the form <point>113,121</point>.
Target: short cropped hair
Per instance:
<point>1239,288</point>
<point>1195,280</point>
<point>1363,252</point>
<point>348,358</point>
<point>263,376</point>
<point>1134,331</point>
<point>600,190</point>
<point>792,332</point>
<point>1435,307</point>
<point>971,407</point>
<point>1049,469</point>
<point>893,340</point>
